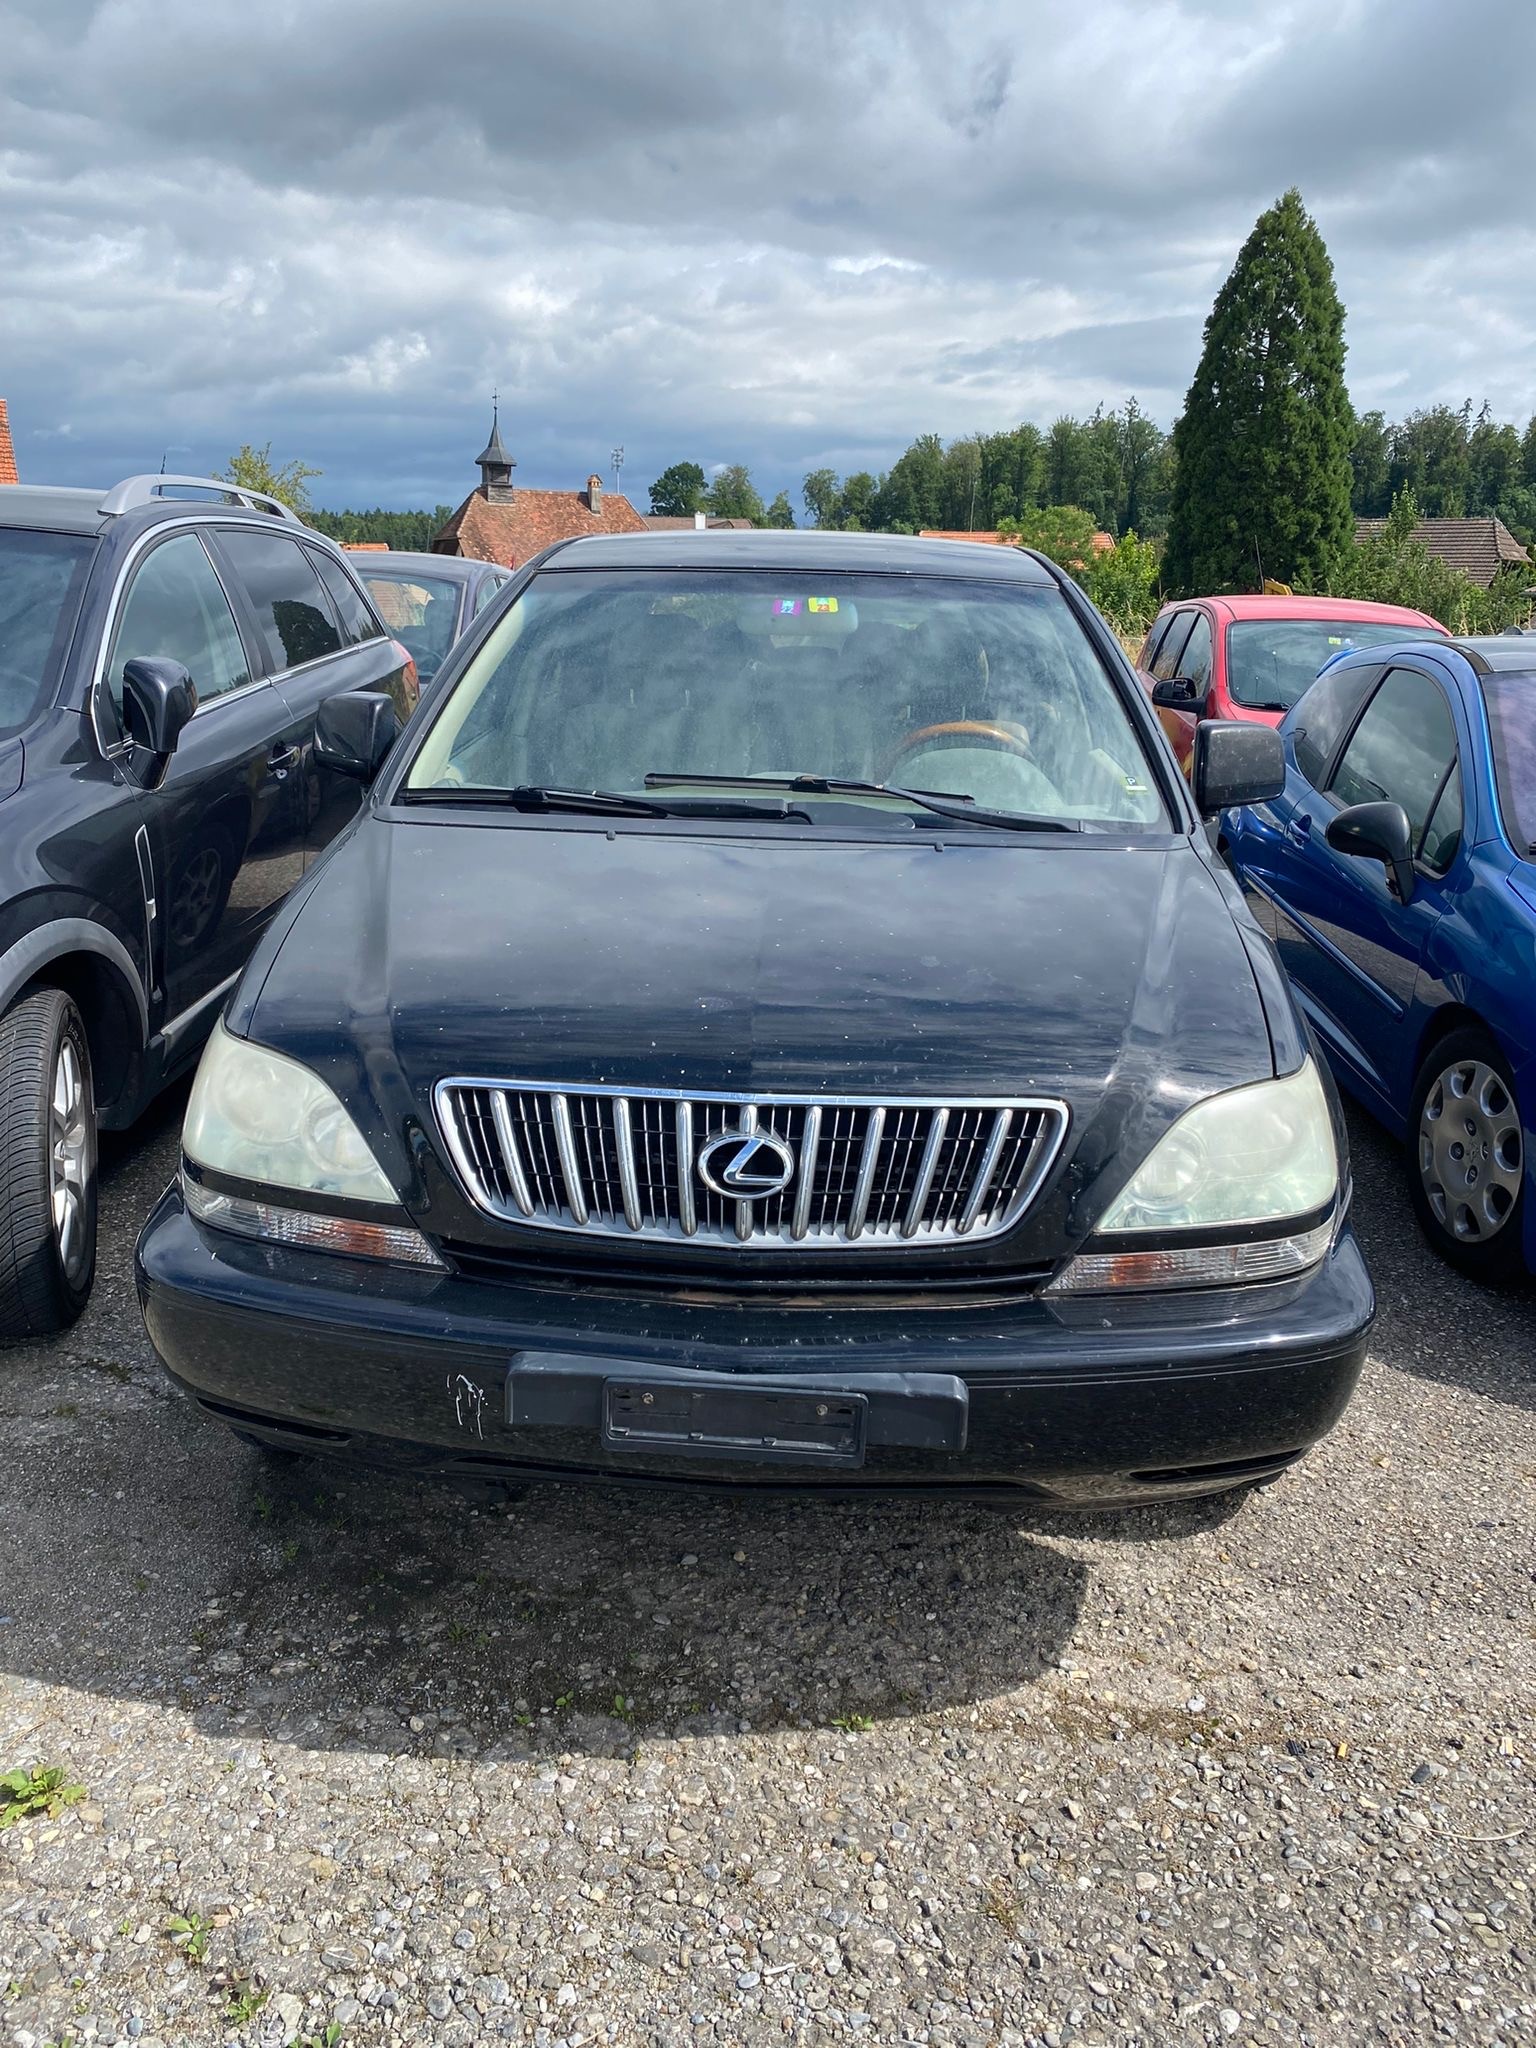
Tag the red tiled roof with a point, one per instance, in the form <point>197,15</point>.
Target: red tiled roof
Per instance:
<point>666,522</point>
<point>510,533</point>
<point>1102,542</point>
<point>8,471</point>
<point>1478,547</point>
<point>365,547</point>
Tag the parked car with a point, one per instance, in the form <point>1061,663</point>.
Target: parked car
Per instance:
<point>779,1020</point>
<point>162,661</point>
<point>1252,657</point>
<point>428,600</point>
<point>1397,875</point>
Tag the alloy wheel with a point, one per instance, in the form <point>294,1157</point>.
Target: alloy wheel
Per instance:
<point>1471,1156</point>
<point>71,1160</point>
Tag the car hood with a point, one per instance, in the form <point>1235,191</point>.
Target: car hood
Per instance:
<point>710,963</point>
<point>1116,979</point>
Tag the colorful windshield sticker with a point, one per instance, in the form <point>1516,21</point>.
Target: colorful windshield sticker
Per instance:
<point>821,604</point>
<point>786,607</point>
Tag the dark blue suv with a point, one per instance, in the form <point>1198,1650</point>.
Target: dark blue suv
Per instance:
<point>164,649</point>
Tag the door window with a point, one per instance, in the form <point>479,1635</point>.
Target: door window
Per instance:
<point>1322,716</point>
<point>357,621</point>
<point>177,609</point>
<point>1195,661</point>
<point>1442,835</point>
<point>284,590</point>
<point>1402,749</point>
<point>488,590</point>
<point>1171,647</point>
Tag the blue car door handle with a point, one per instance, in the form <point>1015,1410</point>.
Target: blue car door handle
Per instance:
<point>1300,829</point>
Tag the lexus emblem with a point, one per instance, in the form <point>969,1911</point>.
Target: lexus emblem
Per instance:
<point>745,1166</point>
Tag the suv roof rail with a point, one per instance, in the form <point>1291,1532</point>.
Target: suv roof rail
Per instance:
<point>144,490</point>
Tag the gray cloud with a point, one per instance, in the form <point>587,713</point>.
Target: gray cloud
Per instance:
<point>785,234</point>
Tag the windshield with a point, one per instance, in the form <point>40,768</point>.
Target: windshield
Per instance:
<point>598,681</point>
<point>1271,663</point>
<point>419,610</point>
<point>41,576</point>
<point>1511,701</point>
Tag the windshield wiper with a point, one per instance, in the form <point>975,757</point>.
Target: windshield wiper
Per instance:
<point>606,803</point>
<point>944,804</point>
<point>611,802</point>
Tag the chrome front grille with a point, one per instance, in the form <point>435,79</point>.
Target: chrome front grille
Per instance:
<point>625,1163</point>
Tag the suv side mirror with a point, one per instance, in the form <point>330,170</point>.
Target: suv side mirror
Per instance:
<point>159,697</point>
<point>354,732</point>
<point>1377,832</point>
<point>1235,763</point>
<point>1181,693</point>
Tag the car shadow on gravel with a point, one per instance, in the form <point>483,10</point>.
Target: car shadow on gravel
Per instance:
<point>147,1557</point>
<point>344,1608</point>
<point>1433,1321</point>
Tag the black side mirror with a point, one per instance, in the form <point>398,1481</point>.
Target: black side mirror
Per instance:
<point>1377,832</point>
<point>1235,763</point>
<point>354,732</point>
<point>159,697</point>
<point>1181,693</point>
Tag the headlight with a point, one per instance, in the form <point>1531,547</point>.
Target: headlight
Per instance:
<point>257,1116</point>
<point>1235,1162</point>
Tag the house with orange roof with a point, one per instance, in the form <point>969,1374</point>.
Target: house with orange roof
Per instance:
<point>501,523</point>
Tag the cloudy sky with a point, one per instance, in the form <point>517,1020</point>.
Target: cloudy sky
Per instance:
<point>720,230</point>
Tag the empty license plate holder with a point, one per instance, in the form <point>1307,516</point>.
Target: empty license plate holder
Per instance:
<point>716,1418</point>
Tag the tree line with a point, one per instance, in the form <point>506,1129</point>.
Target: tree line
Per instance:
<point>1118,466</point>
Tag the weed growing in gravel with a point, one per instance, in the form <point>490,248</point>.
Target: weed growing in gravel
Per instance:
<point>999,1903</point>
<point>328,2037</point>
<point>189,1932</point>
<point>26,1794</point>
<point>854,1724</point>
<point>245,2001</point>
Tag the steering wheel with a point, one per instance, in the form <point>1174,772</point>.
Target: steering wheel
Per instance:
<point>1008,739</point>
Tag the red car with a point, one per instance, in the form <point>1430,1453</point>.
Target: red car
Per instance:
<point>1251,657</point>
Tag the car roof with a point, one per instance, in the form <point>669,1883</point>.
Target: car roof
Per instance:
<point>371,561</point>
<point>1362,611</point>
<point>1500,653</point>
<point>804,550</point>
<point>66,509</point>
<point>59,509</point>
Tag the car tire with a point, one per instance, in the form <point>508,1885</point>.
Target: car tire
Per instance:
<point>47,1167</point>
<point>1466,1159</point>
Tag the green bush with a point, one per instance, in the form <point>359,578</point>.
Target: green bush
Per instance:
<point>1125,583</point>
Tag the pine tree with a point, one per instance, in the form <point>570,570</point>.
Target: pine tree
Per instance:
<point>1263,474</point>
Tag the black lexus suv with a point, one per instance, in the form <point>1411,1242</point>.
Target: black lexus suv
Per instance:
<point>779,1020</point>
<point>164,649</point>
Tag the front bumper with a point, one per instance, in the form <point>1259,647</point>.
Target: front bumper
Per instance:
<point>1087,1402</point>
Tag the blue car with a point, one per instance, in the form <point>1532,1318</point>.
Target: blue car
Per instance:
<point>1397,875</point>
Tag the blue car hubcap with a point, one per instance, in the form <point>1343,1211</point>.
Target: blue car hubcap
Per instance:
<point>1470,1153</point>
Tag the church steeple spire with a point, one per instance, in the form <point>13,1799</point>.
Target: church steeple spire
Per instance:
<point>495,464</point>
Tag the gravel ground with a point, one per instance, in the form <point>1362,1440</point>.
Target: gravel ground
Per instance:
<point>605,1769</point>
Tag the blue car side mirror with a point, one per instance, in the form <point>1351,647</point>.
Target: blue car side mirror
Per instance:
<point>1377,832</point>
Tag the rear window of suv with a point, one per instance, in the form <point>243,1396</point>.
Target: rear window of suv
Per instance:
<point>41,578</point>
<point>596,680</point>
